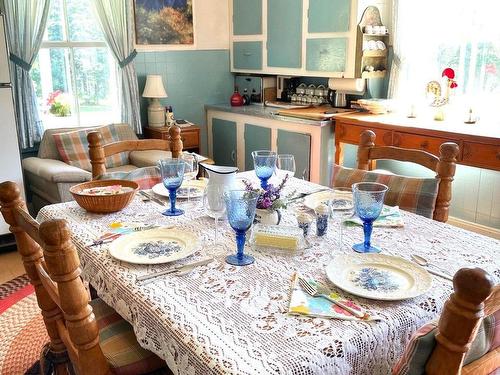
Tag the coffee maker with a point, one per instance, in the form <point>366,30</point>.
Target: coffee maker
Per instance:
<point>285,87</point>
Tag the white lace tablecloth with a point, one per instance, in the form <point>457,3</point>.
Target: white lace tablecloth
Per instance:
<point>223,319</point>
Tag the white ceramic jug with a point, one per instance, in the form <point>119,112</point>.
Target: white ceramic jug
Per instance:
<point>221,175</point>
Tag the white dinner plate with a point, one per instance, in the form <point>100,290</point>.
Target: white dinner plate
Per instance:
<point>154,246</point>
<point>197,188</point>
<point>314,200</point>
<point>378,276</point>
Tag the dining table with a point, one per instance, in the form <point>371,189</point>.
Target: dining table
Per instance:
<point>224,319</point>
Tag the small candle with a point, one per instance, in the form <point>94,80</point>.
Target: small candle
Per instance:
<point>304,221</point>
<point>322,213</point>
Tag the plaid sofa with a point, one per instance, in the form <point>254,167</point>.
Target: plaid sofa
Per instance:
<point>48,178</point>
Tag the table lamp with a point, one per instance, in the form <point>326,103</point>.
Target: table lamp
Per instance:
<point>154,90</point>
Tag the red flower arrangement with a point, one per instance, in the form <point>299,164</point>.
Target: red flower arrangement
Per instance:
<point>52,97</point>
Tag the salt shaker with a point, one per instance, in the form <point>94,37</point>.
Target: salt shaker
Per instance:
<point>304,220</point>
<point>322,213</point>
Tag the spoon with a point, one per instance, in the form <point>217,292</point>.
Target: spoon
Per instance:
<point>425,263</point>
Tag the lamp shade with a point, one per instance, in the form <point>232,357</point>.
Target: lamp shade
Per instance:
<point>154,87</point>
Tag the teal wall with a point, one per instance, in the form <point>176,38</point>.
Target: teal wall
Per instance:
<point>191,79</point>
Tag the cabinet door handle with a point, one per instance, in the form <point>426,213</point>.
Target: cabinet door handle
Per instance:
<point>233,155</point>
<point>247,54</point>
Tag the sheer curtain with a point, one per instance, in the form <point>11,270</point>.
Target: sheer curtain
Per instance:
<point>116,20</point>
<point>25,25</point>
<point>430,36</point>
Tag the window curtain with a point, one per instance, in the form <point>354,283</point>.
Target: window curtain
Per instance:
<point>115,18</point>
<point>25,26</point>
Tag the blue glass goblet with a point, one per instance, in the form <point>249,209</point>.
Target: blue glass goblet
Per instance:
<point>264,164</point>
<point>240,208</point>
<point>172,174</point>
<point>368,203</point>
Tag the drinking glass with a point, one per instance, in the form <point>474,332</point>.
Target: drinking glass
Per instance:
<point>264,163</point>
<point>213,201</point>
<point>240,206</point>
<point>285,166</point>
<point>172,174</point>
<point>190,170</point>
<point>341,207</point>
<point>368,203</point>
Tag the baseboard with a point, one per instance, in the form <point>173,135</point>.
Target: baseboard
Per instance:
<point>474,227</point>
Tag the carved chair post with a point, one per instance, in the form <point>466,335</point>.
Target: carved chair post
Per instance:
<point>96,153</point>
<point>366,142</point>
<point>175,141</point>
<point>31,253</point>
<point>63,266</point>
<point>445,170</point>
<point>459,321</point>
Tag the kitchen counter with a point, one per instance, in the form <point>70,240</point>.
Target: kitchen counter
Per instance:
<point>257,110</point>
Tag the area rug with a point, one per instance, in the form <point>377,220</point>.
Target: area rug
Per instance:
<point>21,325</point>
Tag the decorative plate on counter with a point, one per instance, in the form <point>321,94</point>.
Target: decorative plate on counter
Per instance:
<point>378,276</point>
<point>155,246</point>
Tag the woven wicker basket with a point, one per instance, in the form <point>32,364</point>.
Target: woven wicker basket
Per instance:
<point>103,204</point>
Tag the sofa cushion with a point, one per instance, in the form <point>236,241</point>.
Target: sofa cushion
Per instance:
<point>148,158</point>
<point>119,344</point>
<point>417,195</point>
<point>73,147</point>
<point>146,177</point>
<point>55,170</point>
<point>423,341</point>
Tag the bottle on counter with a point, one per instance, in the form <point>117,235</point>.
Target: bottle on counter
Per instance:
<point>246,98</point>
<point>236,98</point>
<point>170,116</point>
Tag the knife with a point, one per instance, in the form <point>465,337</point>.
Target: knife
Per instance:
<point>151,197</point>
<point>440,274</point>
<point>303,195</point>
<point>179,268</point>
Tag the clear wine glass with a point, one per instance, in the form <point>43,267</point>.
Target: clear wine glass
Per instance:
<point>342,208</point>
<point>240,205</point>
<point>213,201</point>
<point>190,171</point>
<point>285,166</point>
<point>368,203</point>
<point>264,163</point>
<point>172,174</point>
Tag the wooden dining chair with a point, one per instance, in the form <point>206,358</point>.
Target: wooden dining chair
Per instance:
<point>428,197</point>
<point>461,335</point>
<point>98,151</point>
<point>88,337</point>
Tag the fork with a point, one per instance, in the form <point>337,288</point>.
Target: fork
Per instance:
<point>313,292</point>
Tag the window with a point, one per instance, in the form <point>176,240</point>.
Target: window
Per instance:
<point>461,34</point>
<point>75,74</point>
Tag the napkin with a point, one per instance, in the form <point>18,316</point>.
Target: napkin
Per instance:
<point>389,217</point>
<point>302,303</point>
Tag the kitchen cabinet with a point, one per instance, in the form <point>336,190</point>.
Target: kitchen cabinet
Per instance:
<point>247,55</point>
<point>329,16</point>
<point>284,33</point>
<point>224,142</point>
<point>256,138</point>
<point>247,17</point>
<point>295,37</point>
<point>298,145</point>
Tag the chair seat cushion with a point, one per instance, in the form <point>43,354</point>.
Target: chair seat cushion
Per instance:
<point>146,177</point>
<point>423,341</point>
<point>417,195</point>
<point>119,344</point>
<point>148,158</point>
<point>73,147</point>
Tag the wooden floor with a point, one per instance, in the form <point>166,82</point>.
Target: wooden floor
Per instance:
<point>11,266</point>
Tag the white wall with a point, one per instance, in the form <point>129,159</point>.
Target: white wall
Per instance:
<point>211,28</point>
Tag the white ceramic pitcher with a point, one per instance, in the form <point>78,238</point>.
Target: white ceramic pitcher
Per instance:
<point>221,175</point>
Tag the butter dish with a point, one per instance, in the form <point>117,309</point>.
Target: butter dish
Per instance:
<point>277,238</point>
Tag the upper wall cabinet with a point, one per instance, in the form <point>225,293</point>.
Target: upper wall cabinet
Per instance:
<point>297,37</point>
<point>247,17</point>
<point>284,33</point>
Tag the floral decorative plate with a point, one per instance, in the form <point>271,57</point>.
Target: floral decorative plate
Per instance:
<point>315,199</point>
<point>197,188</point>
<point>155,246</point>
<point>378,276</point>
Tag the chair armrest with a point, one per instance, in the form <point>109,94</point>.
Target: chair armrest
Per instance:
<point>148,158</point>
<point>55,170</point>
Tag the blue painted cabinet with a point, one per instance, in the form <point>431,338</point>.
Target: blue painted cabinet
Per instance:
<point>247,55</point>
<point>299,145</point>
<point>224,142</point>
<point>329,16</point>
<point>247,17</point>
<point>256,138</point>
<point>284,33</point>
<point>326,54</point>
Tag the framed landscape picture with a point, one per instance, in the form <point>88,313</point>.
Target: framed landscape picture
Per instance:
<point>163,22</point>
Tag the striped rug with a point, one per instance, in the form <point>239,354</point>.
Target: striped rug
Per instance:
<point>22,330</point>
